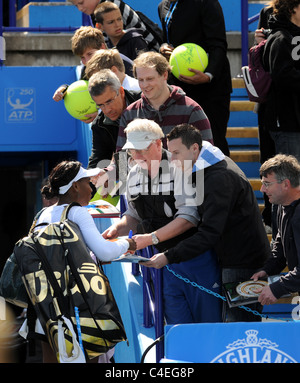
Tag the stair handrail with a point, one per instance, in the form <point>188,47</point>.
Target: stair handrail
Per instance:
<point>86,20</point>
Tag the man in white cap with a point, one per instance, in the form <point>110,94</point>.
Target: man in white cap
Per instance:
<point>162,217</point>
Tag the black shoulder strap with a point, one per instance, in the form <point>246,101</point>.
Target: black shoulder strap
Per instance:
<point>58,293</point>
<point>66,210</point>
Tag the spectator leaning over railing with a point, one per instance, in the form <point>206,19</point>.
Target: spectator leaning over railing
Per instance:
<point>162,211</point>
<point>230,220</point>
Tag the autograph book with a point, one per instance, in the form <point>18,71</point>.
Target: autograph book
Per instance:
<point>242,293</point>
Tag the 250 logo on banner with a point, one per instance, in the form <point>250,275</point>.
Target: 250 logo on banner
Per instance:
<point>20,104</point>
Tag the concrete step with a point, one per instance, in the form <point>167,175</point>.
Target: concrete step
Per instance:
<point>237,82</point>
<point>245,155</point>
<point>240,132</point>
<point>242,106</point>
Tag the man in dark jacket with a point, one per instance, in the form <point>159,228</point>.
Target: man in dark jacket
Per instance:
<point>281,58</point>
<point>128,42</point>
<point>230,222</point>
<point>106,90</point>
<point>202,22</point>
<point>281,183</point>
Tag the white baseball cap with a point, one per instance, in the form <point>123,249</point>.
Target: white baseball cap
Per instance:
<point>83,173</point>
<point>140,140</point>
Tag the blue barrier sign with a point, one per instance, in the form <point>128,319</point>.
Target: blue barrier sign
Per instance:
<point>243,342</point>
<point>30,119</point>
<point>20,104</point>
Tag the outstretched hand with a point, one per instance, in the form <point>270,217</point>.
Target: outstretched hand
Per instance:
<point>157,261</point>
<point>266,296</point>
<point>198,77</point>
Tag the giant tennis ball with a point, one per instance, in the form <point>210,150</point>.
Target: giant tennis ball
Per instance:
<point>78,100</point>
<point>187,56</point>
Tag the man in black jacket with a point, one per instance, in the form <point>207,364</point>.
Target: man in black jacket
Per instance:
<point>106,90</point>
<point>230,223</point>
<point>281,59</point>
<point>281,183</point>
<point>129,42</point>
<point>202,22</point>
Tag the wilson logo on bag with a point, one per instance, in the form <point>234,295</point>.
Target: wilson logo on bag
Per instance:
<point>59,275</point>
<point>257,80</point>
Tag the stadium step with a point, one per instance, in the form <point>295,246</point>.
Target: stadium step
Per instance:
<point>240,132</point>
<point>243,139</point>
<point>245,155</point>
<point>242,106</point>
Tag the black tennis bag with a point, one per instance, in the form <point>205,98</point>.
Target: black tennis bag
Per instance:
<point>60,275</point>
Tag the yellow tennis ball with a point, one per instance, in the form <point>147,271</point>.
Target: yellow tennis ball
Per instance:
<point>188,55</point>
<point>78,100</point>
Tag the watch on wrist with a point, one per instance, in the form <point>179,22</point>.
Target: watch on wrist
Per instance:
<point>155,240</point>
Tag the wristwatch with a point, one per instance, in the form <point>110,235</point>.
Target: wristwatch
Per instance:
<point>155,240</point>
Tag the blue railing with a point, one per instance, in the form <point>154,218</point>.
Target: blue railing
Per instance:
<point>153,312</point>
<point>86,20</point>
<point>12,11</point>
<point>245,29</point>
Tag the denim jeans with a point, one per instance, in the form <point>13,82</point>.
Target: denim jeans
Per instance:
<point>287,143</point>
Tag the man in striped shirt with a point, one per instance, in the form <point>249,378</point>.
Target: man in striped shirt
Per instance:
<point>130,18</point>
<point>166,105</point>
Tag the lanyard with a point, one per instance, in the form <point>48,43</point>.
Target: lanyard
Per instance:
<point>168,18</point>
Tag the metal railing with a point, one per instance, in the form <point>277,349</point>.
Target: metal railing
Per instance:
<point>86,20</point>
<point>245,22</point>
<point>153,312</point>
<point>12,17</point>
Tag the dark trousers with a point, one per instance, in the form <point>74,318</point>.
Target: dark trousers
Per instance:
<point>185,303</point>
<point>238,314</point>
<point>217,110</point>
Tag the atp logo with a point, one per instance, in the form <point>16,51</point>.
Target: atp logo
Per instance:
<point>20,104</point>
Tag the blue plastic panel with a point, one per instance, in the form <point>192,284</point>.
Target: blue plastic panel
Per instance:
<point>52,15</point>
<point>29,118</point>
<point>273,342</point>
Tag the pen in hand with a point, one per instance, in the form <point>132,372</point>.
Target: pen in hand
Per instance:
<point>133,248</point>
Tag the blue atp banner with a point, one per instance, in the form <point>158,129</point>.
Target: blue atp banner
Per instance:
<point>30,119</point>
<point>243,342</point>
